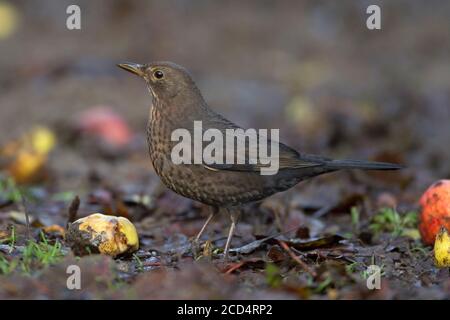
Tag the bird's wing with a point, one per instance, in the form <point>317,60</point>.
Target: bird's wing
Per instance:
<point>250,160</point>
<point>288,159</point>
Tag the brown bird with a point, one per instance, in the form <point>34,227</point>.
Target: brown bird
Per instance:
<point>177,103</point>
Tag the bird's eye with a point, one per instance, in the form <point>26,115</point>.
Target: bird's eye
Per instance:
<point>158,74</point>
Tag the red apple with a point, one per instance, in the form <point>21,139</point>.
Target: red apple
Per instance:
<point>435,203</point>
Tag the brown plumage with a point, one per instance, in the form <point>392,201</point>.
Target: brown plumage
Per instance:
<point>177,103</point>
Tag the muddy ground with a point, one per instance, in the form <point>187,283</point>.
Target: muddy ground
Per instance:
<point>310,68</point>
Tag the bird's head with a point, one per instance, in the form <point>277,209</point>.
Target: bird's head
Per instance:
<point>165,80</point>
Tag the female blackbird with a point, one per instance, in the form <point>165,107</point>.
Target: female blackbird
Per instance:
<point>177,103</point>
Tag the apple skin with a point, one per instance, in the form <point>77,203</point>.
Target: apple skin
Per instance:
<point>106,124</point>
<point>435,211</point>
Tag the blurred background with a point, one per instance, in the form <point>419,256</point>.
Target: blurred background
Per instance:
<point>311,68</point>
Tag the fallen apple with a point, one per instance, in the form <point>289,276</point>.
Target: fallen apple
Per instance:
<point>106,124</point>
<point>26,156</point>
<point>99,233</point>
<point>435,212</point>
<point>442,249</point>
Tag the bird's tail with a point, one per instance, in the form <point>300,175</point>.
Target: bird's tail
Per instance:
<point>361,164</point>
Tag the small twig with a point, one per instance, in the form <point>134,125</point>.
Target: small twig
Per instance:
<point>234,267</point>
<point>73,210</point>
<point>296,258</point>
<point>27,217</point>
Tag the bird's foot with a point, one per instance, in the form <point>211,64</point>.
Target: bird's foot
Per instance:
<point>200,251</point>
<point>196,248</point>
<point>229,259</point>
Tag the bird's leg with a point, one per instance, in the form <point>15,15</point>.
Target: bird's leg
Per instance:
<point>195,242</point>
<point>234,214</point>
<point>213,212</point>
